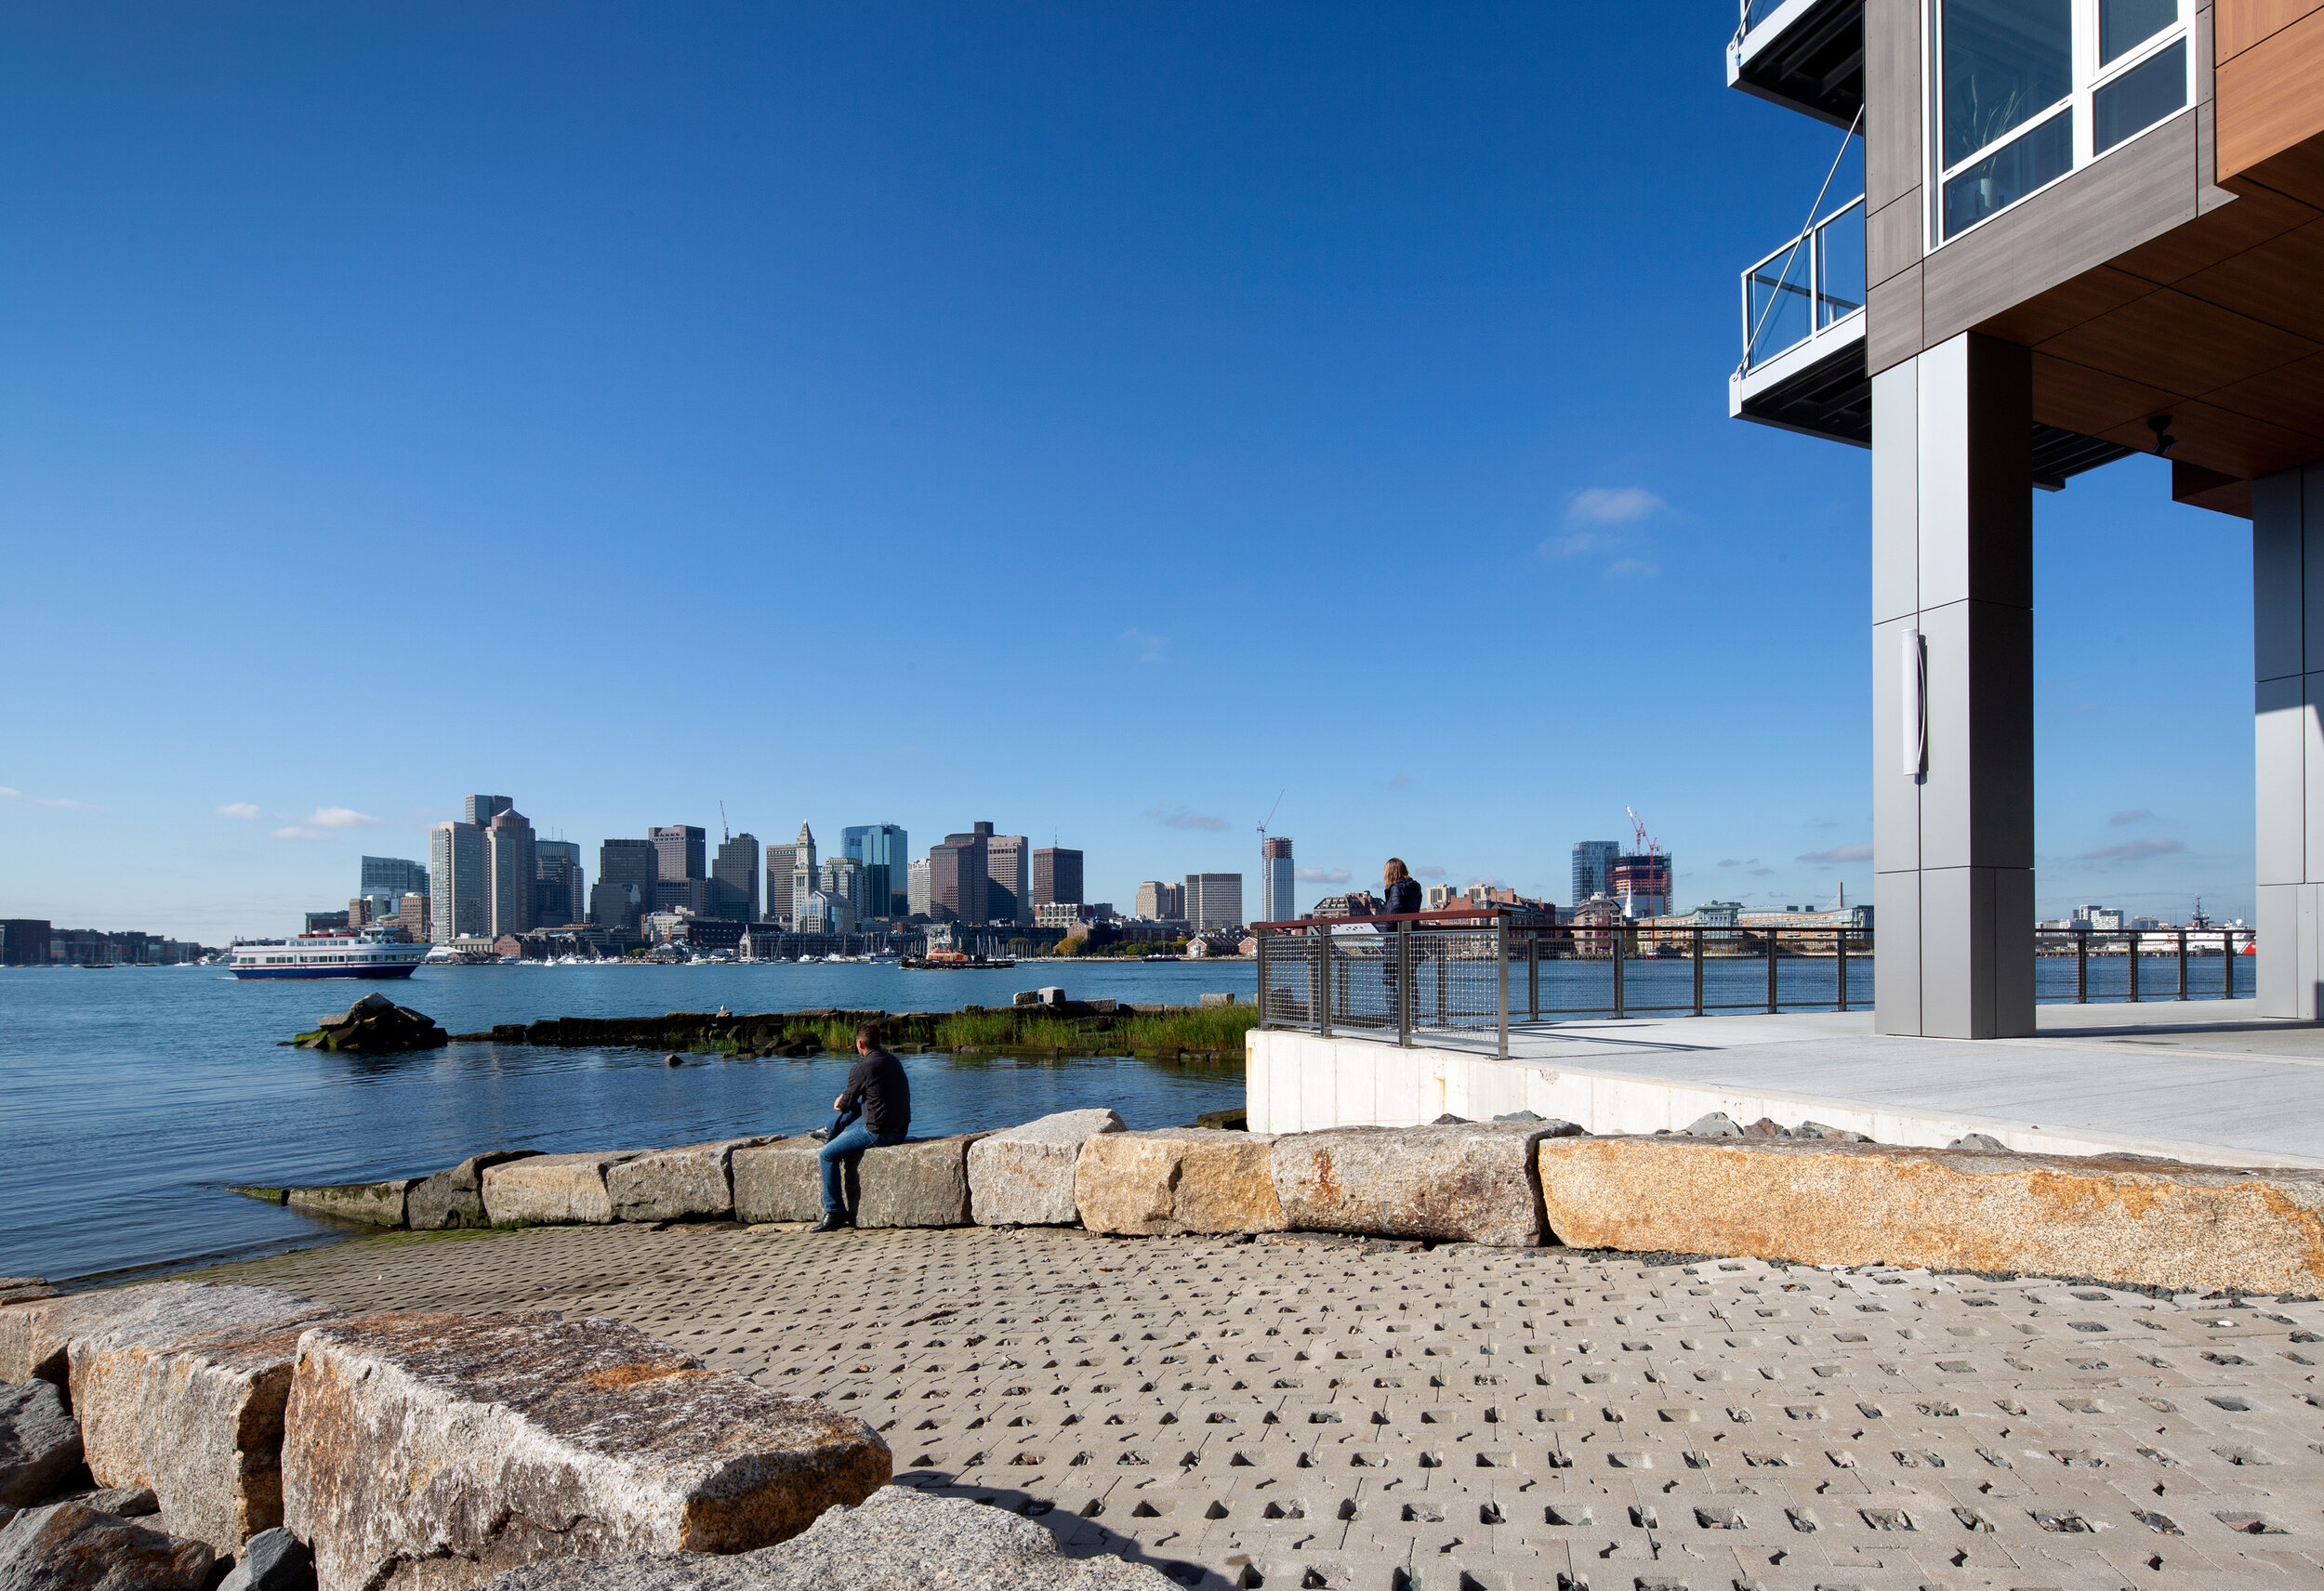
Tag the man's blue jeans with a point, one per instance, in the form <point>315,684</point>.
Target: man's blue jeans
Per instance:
<point>845,1145</point>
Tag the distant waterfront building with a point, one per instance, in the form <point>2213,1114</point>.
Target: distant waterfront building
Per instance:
<point>804,875</point>
<point>327,922</point>
<point>736,870</point>
<point>678,849</point>
<point>1008,877</point>
<point>1354,904</point>
<point>510,867</point>
<point>886,852</point>
<point>1056,877</point>
<point>393,875</point>
<point>1214,901</point>
<point>916,889</point>
<point>846,879</point>
<point>958,887</point>
<point>1641,881</point>
<point>1160,902</point>
<point>1071,914</point>
<point>557,895</point>
<point>482,809</point>
<point>822,913</point>
<point>411,917</point>
<point>24,942</point>
<point>1275,879</point>
<point>460,902</point>
<point>2105,919</point>
<point>1593,869</point>
<point>626,871</point>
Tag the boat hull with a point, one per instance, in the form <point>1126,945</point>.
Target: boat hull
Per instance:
<point>382,969</point>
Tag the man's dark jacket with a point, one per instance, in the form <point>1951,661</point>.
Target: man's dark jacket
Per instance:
<point>878,1087</point>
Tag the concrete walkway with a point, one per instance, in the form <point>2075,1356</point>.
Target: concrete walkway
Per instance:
<point>2196,1080</point>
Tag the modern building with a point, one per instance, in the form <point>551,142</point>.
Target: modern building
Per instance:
<point>559,897</point>
<point>392,877</point>
<point>1214,901</point>
<point>511,866</point>
<point>1071,914</point>
<point>916,889</point>
<point>412,915</point>
<point>2088,229</point>
<point>886,852</point>
<point>845,879</point>
<point>959,887</point>
<point>1008,877</point>
<point>1275,879</point>
<point>1641,881</point>
<point>460,899</point>
<point>804,877</point>
<point>680,851</point>
<point>1056,879</point>
<point>1158,901</point>
<point>1593,869</point>
<point>24,942</point>
<point>736,870</point>
<point>482,809</point>
<point>625,872</point>
<point>328,922</point>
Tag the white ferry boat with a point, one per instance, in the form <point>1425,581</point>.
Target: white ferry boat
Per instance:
<point>342,954</point>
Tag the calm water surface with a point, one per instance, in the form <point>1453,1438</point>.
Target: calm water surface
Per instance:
<point>132,1097</point>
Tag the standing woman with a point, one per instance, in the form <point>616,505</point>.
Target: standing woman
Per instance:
<point>1399,895</point>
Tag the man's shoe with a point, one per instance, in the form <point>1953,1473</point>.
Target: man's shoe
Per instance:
<point>832,1224</point>
<point>821,1134</point>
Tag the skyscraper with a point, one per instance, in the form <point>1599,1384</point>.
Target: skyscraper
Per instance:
<point>626,871</point>
<point>804,880</point>
<point>1593,869</point>
<point>847,881</point>
<point>1641,881</point>
<point>1056,876</point>
<point>679,847</point>
<point>459,901</point>
<point>1162,903</point>
<point>957,887</point>
<point>1008,876</point>
<point>916,889</point>
<point>886,852</point>
<point>779,859</point>
<point>1214,899</point>
<point>1274,880</point>
<point>736,870</point>
<point>482,810</point>
<point>557,895</point>
<point>392,877</point>
<point>510,868</point>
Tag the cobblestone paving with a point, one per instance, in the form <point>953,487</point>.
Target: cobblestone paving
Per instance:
<point>1292,1414</point>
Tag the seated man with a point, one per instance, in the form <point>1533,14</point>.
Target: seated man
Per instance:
<point>879,1089</point>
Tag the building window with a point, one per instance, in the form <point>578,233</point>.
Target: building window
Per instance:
<point>2028,90</point>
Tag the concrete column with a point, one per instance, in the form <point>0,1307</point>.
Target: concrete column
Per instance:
<point>1952,562</point>
<point>2288,752</point>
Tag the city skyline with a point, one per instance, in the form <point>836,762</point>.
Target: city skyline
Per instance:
<point>1416,351</point>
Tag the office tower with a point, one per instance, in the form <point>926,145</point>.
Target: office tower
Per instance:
<point>1641,883</point>
<point>679,847</point>
<point>1160,902</point>
<point>1008,877</point>
<point>958,887</point>
<point>1214,901</point>
<point>847,880</point>
<point>1056,876</point>
<point>509,870</point>
<point>24,942</point>
<point>915,890</point>
<point>1593,869</point>
<point>393,875</point>
<point>412,915</point>
<point>558,895</point>
<point>482,810</point>
<point>460,902</point>
<point>736,870</point>
<point>886,852</point>
<point>1274,880</point>
<point>779,883</point>
<point>803,876</point>
<point>626,871</point>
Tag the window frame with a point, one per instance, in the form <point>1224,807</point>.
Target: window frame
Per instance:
<point>2089,78</point>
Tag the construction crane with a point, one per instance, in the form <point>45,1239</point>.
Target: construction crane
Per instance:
<point>723,830</point>
<point>1638,825</point>
<point>1270,817</point>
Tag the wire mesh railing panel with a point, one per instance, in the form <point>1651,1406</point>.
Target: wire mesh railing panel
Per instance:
<point>2099,967</point>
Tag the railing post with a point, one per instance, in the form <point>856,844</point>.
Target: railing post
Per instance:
<point>1840,967</point>
<point>1403,985</point>
<point>1617,969</point>
<point>1533,977</point>
<point>1323,978</point>
<point>2134,939</point>
<point>2181,963</point>
<point>2227,973</point>
<point>2081,966</point>
<point>1698,970</point>
<point>1500,957</point>
<point>1773,934</point>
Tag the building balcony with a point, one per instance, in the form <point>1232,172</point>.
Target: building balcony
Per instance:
<point>1806,55</point>
<point>1802,367</point>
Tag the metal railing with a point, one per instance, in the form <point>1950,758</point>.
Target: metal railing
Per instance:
<point>1805,289</point>
<point>2110,964</point>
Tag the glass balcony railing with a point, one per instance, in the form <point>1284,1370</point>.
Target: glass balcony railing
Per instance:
<point>1757,11</point>
<point>1806,288</point>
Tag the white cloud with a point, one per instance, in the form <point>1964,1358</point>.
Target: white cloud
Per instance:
<point>55,803</point>
<point>1428,873</point>
<point>1149,648</point>
<point>1402,781</point>
<point>325,821</point>
<point>1183,818</point>
<point>2137,815</point>
<point>1632,568</point>
<point>1612,505</point>
<point>2137,850</point>
<point>1840,854</point>
<point>1321,874</point>
<point>245,811</point>
<point>296,833</point>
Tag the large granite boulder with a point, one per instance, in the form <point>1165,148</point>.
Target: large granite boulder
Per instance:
<point>24,1289</point>
<point>1024,1176</point>
<point>196,1415</point>
<point>1821,1201</point>
<point>899,1540</point>
<point>454,1197</point>
<point>69,1547</point>
<point>777,1181</point>
<point>271,1560</point>
<point>550,1190</point>
<point>374,1025</point>
<point>372,1203</point>
<point>1459,1182</point>
<point>36,1338</point>
<point>667,1185</point>
<point>40,1446</point>
<point>1179,1180</point>
<point>430,1453</point>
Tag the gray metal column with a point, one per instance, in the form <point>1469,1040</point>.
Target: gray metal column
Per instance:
<point>2288,752</point>
<point>1952,691</point>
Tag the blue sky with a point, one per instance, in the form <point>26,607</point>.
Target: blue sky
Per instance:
<point>1094,419</point>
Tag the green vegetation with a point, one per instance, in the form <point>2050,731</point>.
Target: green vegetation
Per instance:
<point>1208,1027</point>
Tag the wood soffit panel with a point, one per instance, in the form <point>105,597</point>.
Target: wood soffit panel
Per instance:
<point>2180,341</point>
<point>2218,439</point>
<point>2271,96</point>
<point>2243,24</point>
